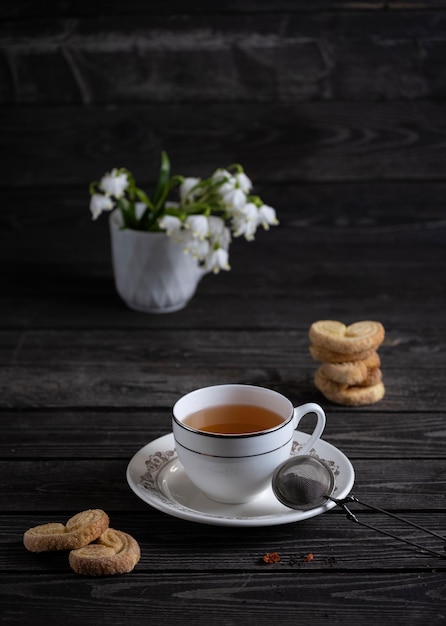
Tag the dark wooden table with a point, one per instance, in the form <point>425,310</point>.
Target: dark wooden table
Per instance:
<point>85,383</point>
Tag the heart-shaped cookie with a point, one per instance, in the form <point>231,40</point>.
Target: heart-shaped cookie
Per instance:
<point>334,336</point>
<point>79,531</point>
<point>114,552</point>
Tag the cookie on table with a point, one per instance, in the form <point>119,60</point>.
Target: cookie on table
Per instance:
<point>348,395</point>
<point>328,356</point>
<point>114,552</point>
<point>353,372</point>
<point>334,336</point>
<point>79,531</point>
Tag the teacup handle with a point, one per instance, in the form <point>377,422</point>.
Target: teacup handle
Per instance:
<point>299,412</point>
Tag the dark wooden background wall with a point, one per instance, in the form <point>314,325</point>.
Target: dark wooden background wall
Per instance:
<point>336,109</point>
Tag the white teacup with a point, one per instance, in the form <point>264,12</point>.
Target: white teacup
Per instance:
<point>235,467</point>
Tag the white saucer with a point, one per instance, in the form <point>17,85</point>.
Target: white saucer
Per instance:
<point>158,478</point>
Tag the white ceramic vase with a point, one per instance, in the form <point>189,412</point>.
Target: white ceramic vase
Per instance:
<point>152,273</point>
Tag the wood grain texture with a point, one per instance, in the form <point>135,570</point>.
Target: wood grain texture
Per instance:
<point>238,57</point>
<point>241,549</point>
<point>27,8</point>
<point>277,142</point>
<point>231,597</point>
<point>118,433</point>
<point>62,484</point>
<point>47,369</point>
<point>336,111</point>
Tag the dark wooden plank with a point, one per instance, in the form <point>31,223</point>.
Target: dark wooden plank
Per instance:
<point>290,257</point>
<point>275,142</point>
<point>87,386</point>
<point>298,248</point>
<point>399,262</point>
<point>69,484</point>
<point>209,310</point>
<point>407,600</point>
<point>359,433</point>
<point>51,8</point>
<point>337,544</point>
<point>60,212</point>
<point>244,57</point>
<point>147,350</point>
<point>118,369</point>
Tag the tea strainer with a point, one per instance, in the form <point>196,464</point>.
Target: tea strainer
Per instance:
<point>306,482</point>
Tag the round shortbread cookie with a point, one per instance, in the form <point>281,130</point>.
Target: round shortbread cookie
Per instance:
<point>347,373</point>
<point>79,531</point>
<point>337,337</point>
<point>374,376</point>
<point>327,356</point>
<point>114,552</point>
<point>372,361</point>
<point>352,373</point>
<point>348,395</point>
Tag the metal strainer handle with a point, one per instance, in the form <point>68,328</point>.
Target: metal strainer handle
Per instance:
<point>352,517</point>
<point>306,482</point>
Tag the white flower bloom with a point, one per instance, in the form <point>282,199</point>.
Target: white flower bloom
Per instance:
<point>198,248</point>
<point>221,174</point>
<point>217,260</point>
<point>114,184</point>
<point>199,225</point>
<point>100,203</point>
<point>219,233</point>
<point>186,189</point>
<point>140,207</point>
<point>227,187</point>
<point>222,208</point>
<point>267,216</point>
<point>245,222</point>
<point>171,224</point>
<point>234,200</point>
<point>243,182</point>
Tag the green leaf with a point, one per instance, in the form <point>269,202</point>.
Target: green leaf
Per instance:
<point>163,178</point>
<point>142,196</point>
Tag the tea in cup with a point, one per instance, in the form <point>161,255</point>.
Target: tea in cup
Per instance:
<point>231,438</point>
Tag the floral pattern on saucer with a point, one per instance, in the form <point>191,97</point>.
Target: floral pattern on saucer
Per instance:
<point>158,461</point>
<point>157,477</point>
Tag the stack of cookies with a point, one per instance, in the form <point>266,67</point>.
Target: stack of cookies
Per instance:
<point>94,548</point>
<point>350,372</point>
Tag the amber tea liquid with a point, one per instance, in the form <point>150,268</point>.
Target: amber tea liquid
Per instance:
<point>233,419</point>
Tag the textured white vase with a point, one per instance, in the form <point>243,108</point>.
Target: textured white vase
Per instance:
<point>152,273</point>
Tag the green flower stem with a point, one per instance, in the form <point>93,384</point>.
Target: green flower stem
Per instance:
<point>163,179</point>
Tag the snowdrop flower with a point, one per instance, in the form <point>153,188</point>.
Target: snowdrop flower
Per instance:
<point>221,174</point>
<point>198,225</point>
<point>219,233</point>
<point>226,181</point>
<point>171,224</point>
<point>267,216</point>
<point>234,200</point>
<point>243,182</point>
<point>229,185</point>
<point>202,215</point>
<point>245,222</point>
<point>114,184</point>
<point>187,192</point>
<point>198,248</point>
<point>217,260</point>
<point>100,203</point>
